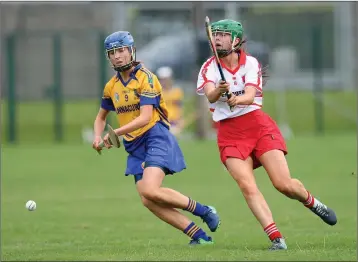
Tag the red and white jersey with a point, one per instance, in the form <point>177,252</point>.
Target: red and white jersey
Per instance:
<point>248,72</point>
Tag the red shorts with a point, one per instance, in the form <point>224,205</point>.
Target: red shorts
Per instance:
<point>252,134</point>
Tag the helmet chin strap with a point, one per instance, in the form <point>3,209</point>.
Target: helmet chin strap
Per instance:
<point>124,68</point>
<point>223,53</point>
<point>128,66</point>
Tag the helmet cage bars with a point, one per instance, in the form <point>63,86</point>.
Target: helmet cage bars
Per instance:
<point>126,66</point>
<point>222,52</point>
<point>231,27</point>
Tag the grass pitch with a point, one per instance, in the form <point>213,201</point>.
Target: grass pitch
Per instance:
<point>87,209</point>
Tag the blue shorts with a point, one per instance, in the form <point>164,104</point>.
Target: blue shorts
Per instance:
<point>157,147</point>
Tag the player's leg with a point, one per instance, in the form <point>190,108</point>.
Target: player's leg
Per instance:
<point>152,190</point>
<point>242,172</point>
<point>176,219</point>
<point>167,213</point>
<point>270,150</point>
<point>276,166</point>
<point>164,156</point>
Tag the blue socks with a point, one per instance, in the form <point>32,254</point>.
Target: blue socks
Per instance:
<point>195,232</point>
<point>196,208</point>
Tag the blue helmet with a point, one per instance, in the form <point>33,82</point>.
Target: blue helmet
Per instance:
<point>120,39</point>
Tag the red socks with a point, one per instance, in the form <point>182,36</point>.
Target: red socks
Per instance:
<point>272,231</point>
<point>309,202</point>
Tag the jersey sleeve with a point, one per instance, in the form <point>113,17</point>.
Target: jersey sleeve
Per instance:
<point>253,76</point>
<point>150,91</point>
<point>107,102</point>
<point>207,74</point>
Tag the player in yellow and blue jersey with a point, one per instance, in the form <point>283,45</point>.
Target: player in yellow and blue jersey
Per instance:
<point>135,94</point>
<point>174,98</point>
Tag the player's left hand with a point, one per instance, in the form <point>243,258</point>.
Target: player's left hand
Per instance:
<point>233,100</point>
<point>106,141</point>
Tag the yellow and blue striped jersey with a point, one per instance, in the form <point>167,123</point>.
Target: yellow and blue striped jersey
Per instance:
<point>126,98</point>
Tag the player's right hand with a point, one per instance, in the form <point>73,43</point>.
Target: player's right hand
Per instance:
<point>107,144</point>
<point>96,142</point>
<point>223,87</point>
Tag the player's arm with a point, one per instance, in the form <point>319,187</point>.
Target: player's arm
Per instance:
<point>206,82</point>
<point>214,93</point>
<point>106,107</point>
<point>146,112</point>
<point>253,85</point>
<point>150,92</point>
<point>246,99</point>
<point>100,121</point>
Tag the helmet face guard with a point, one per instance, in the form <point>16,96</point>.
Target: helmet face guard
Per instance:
<point>126,66</point>
<point>231,27</point>
<point>121,39</point>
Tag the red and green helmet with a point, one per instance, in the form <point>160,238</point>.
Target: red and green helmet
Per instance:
<point>231,27</point>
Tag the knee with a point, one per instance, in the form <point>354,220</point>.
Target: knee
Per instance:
<point>146,202</point>
<point>150,194</point>
<point>284,186</point>
<point>249,190</point>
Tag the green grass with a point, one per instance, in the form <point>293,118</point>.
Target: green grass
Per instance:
<point>34,118</point>
<point>87,209</point>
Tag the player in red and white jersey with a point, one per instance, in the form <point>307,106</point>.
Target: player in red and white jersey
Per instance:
<point>247,137</point>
